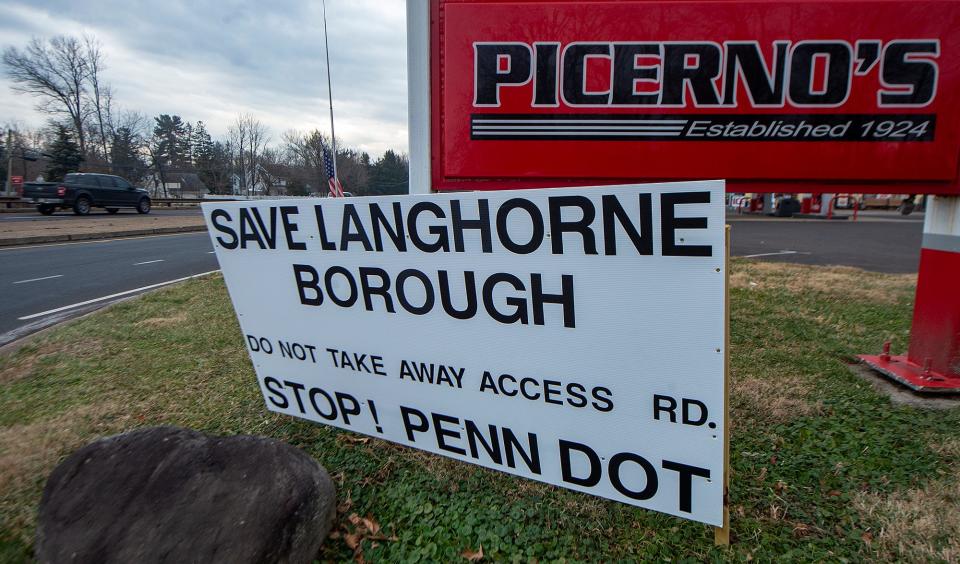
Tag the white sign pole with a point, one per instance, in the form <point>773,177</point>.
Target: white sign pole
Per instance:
<point>571,336</point>
<point>418,94</point>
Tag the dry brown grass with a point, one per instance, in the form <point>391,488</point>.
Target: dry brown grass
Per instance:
<point>20,366</point>
<point>840,281</point>
<point>919,525</point>
<point>163,321</point>
<point>29,452</point>
<point>775,400</point>
<point>949,448</point>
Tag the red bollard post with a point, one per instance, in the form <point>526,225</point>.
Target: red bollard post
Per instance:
<point>932,362</point>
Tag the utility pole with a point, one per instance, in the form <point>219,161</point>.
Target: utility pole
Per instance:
<point>8,186</point>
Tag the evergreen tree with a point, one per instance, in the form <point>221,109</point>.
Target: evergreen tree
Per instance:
<point>201,146</point>
<point>187,144</point>
<point>66,155</point>
<point>390,175</point>
<point>170,140</point>
<point>214,168</point>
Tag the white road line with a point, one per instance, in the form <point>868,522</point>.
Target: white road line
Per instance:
<point>39,279</point>
<point>147,262</point>
<point>210,252</point>
<point>772,254</point>
<point>111,296</point>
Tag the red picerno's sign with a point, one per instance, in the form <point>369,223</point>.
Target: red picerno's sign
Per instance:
<point>783,96</point>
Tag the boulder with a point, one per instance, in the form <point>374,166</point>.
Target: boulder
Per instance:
<point>166,494</point>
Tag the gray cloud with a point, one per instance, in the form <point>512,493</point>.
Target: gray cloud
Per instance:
<point>210,60</point>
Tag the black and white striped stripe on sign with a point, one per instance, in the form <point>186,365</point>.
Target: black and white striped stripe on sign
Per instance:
<point>545,126</point>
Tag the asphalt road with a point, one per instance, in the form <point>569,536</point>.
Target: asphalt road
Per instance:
<point>46,284</point>
<point>874,243</point>
<point>42,285</point>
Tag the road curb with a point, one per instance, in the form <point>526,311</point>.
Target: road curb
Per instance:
<point>39,239</point>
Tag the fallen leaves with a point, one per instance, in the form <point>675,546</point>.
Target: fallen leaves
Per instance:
<point>355,529</point>
<point>473,556</point>
<point>351,439</point>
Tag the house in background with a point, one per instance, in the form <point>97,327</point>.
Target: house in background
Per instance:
<point>263,184</point>
<point>181,185</point>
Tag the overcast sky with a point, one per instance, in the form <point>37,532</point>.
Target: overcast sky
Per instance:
<point>211,60</point>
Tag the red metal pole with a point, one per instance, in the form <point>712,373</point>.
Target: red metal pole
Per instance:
<point>932,362</point>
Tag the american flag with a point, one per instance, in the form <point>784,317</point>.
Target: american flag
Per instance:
<point>333,183</point>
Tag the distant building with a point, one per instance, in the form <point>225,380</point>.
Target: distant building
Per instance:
<point>264,184</point>
<point>184,185</point>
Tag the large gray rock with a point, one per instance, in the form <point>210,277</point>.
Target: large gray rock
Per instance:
<point>166,494</point>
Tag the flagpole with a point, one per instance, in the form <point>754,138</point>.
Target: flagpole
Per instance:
<point>326,48</point>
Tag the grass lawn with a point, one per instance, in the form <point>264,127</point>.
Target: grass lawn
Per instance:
<point>824,467</point>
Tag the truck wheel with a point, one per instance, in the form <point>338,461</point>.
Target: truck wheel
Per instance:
<point>112,210</point>
<point>143,206</point>
<point>46,209</point>
<point>81,206</point>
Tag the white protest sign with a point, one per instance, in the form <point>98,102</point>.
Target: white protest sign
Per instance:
<point>571,336</point>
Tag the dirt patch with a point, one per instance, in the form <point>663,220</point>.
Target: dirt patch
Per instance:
<point>841,281</point>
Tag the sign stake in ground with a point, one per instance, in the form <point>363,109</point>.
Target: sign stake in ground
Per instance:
<point>721,534</point>
<point>574,337</point>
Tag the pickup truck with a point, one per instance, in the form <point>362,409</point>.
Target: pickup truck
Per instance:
<point>82,191</point>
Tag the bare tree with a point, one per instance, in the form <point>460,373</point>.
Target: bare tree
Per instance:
<point>101,94</point>
<point>238,151</point>
<point>129,148</point>
<point>56,72</point>
<point>353,170</point>
<point>305,151</point>
<point>248,137</point>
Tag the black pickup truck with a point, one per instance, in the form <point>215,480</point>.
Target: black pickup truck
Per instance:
<point>82,191</point>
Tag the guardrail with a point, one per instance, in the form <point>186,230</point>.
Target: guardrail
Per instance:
<point>12,202</point>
